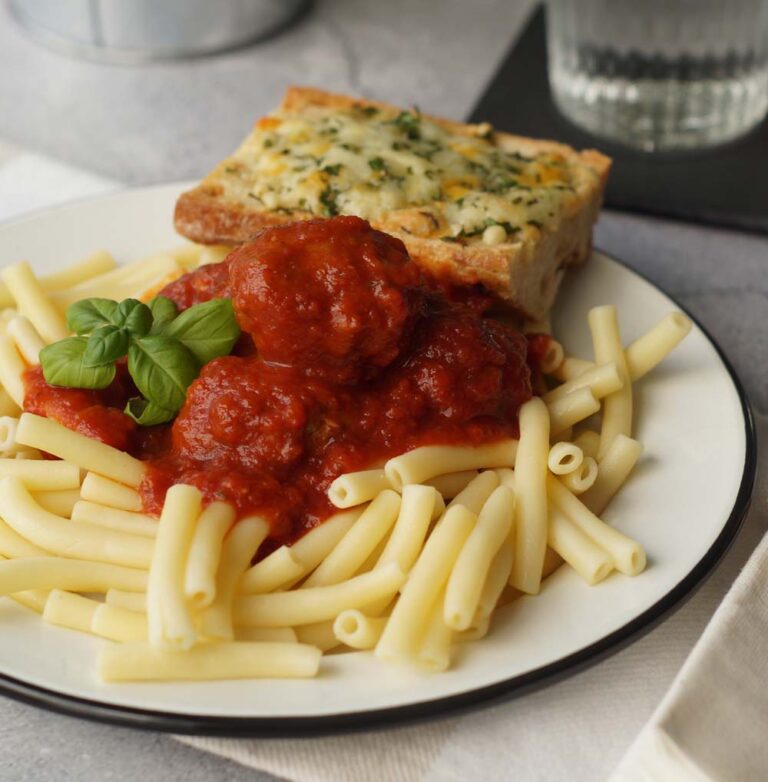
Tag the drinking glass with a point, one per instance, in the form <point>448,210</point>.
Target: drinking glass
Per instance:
<point>660,74</point>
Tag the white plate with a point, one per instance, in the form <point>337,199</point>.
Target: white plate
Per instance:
<point>684,503</point>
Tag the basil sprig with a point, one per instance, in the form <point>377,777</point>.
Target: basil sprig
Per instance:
<point>165,349</point>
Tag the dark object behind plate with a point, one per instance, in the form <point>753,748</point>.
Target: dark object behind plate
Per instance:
<point>725,185</point>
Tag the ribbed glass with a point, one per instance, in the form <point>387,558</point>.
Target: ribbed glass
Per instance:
<point>660,74</point>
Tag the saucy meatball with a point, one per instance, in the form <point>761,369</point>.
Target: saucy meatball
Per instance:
<point>460,367</point>
<point>242,413</point>
<point>333,297</point>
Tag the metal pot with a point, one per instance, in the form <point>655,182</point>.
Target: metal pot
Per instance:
<point>136,30</point>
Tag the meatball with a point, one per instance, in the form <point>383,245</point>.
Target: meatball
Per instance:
<point>461,367</point>
<point>242,413</point>
<point>332,297</point>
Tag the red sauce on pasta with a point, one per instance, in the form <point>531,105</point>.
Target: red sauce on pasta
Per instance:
<point>96,414</point>
<point>349,357</point>
<point>538,345</point>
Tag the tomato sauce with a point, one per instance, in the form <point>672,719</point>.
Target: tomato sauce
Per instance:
<point>538,345</point>
<point>206,283</point>
<point>96,414</point>
<point>352,358</point>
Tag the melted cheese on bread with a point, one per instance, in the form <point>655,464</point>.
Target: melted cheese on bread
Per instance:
<point>371,162</point>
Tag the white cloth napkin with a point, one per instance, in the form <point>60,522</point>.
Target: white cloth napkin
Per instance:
<point>711,725</point>
<point>29,181</point>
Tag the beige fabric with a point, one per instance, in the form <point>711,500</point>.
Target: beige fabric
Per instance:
<point>397,755</point>
<point>713,723</point>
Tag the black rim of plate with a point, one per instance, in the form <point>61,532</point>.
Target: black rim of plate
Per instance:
<point>287,727</point>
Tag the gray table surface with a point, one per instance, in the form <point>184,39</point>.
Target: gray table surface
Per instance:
<point>169,121</point>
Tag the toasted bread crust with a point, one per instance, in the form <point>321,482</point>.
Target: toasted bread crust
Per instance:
<point>525,273</point>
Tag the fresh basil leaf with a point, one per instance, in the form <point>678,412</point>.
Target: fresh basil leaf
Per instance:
<point>209,329</point>
<point>63,365</point>
<point>135,316</point>
<point>147,413</point>
<point>162,369</point>
<point>164,310</point>
<point>105,346</point>
<point>88,314</point>
<point>139,321</point>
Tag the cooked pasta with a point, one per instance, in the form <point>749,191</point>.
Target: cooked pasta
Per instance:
<point>583,554</point>
<point>583,478</point>
<point>571,367</point>
<point>589,442</point>
<point>132,601</point>
<point>452,483</point>
<point>564,458</point>
<point>191,596</point>
<point>229,660</point>
<point>617,406</point>
<point>118,624</point>
<point>114,518</point>
<point>279,568</point>
<point>643,354</point>
<point>615,467</point>
<point>649,350</point>
<point>169,616</point>
<point>33,599</point>
<point>628,555</point>
<point>41,476</point>
<point>570,409</point>
<point>552,358</point>
<point>12,367</point>
<point>8,435</point>
<point>123,282</point>
<point>59,536</point>
<point>60,502</point>
<point>75,575</point>
<point>7,405</point>
<point>406,626</point>
<point>51,437</point>
<point>353,549</point>
<point>321,635</point>
<point>238,549</point>
<point>69,610</point>
<point>429,461</point>
<point>205,553</point>
<point>355,488</point>
<point>434,652</point>
<point>496,579</point>
<point>476,492</point>
<point>600,380</point>
<point>307,606</point>
<point>13,545</point>
<point>531,491</point>
<point>33,302</point>
<point>28,342</point>
<point>408,534</point>
<point>357,630</point>
<point>470,571</point>
<point>97,263</point>
<point>103,491</point>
